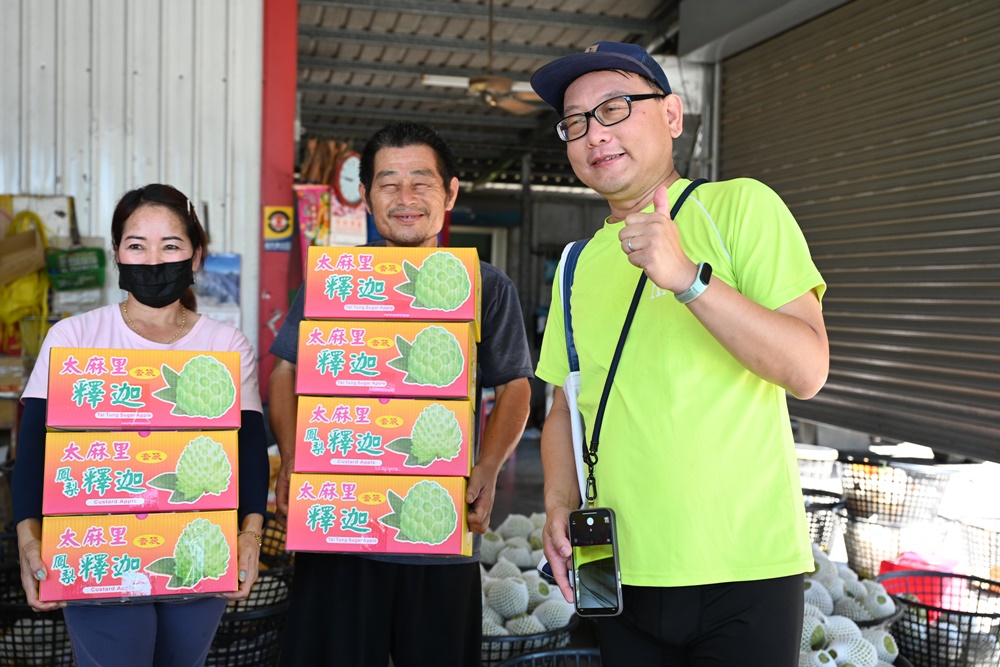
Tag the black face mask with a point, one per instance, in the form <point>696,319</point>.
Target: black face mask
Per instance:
<point>156,285</point>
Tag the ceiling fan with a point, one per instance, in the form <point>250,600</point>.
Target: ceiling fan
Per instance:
<point>494,90</point>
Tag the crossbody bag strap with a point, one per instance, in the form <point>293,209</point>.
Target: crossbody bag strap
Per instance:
<point>570,257</point>
<point>590,456</point>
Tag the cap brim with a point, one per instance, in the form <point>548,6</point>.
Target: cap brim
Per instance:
<point>551,81</point>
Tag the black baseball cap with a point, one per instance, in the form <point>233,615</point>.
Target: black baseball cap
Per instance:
<point>551,81</point>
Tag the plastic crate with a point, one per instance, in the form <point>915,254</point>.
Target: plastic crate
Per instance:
<point>566,658</point>
<point>948,619</point>
<point>982,548</point>
<point>249,638</point>
<point>251,631</point>
<point>821,507</point>
<point>29,638</point>
<point>818,467</point>
<point>496,650</point>
<point>868,542</point>
<point>897,493</point>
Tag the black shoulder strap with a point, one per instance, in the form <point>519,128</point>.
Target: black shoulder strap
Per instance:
<point>590,458</point>
<point>566,289</point>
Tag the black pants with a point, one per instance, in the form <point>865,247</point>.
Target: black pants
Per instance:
<point>716,625</point>
<point>348,611</point>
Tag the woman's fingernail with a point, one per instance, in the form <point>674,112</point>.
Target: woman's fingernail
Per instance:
<point>40,575</point>
<point>243,575</point>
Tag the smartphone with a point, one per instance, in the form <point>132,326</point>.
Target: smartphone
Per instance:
<point>596,574</point>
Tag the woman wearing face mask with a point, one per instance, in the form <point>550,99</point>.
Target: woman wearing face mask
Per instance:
<point>158,245</point>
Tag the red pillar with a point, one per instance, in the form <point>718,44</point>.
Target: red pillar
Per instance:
<point>277,166</point>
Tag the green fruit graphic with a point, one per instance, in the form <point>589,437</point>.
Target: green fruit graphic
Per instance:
<point>434,358</point>
<point>203,467</point>
<point>441,282</point>
<point>201,552</point>
<point>436,435</point>
<point>426,515</point>
<point>203,388</point>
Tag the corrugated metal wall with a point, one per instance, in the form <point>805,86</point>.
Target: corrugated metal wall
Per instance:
<point>879,124</point>
<point>100,96</point>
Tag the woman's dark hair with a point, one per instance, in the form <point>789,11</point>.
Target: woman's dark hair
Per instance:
<point>401,135</point>
<point>167,196</point>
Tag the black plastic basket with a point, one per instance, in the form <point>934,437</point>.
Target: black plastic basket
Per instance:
<point>982,549</point>
<point>8,548</point>
<point>590,657</point>
<point>249,638</point>
<point>948,619</point>
<point>274,580</point>
<point>251,631</point>
<point>898,493</point>
<point>29,638</point>
<point>821,507</point>
<point>868,542</point>
<point>498,649</point>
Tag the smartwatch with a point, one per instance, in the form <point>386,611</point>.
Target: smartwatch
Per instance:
<point>699,286</point>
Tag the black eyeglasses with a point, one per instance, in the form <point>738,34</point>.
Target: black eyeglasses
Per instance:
<point>608,112</point>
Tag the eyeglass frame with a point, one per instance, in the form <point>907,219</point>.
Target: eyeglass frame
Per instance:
<point>629,99</point>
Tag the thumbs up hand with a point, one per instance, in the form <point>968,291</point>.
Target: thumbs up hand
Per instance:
<point>652,242</point>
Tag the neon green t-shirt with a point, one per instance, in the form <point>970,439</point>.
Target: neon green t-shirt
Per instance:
<point>696,452</point>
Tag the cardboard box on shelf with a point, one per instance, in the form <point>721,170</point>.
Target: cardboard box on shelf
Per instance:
<point>378,514</point>
<point>401,358</point>
<point>21,254</point>
<point>439,284</point>
<point>384,436</point>
<point>127,472</point>
<point>126,555</point>
<point>118,389</point>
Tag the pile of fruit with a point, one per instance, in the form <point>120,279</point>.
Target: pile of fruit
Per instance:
<point>517,601</point>
<point>836,600</point>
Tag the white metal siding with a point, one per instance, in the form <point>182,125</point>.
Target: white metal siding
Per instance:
<point>101,96</point>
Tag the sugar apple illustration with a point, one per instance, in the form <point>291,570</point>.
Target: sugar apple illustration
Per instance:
<point>203,467</point>
<point>201,552</point>
<point>433,358</point>
<point>426,515</point>
<point>441,282</point>
<point>436,435</point>
<point>203,388</point>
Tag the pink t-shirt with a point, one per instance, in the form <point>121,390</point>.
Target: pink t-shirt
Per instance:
<point>105,328</point>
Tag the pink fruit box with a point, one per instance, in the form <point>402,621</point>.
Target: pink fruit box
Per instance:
<point>404,359</point>
<point>385,283</point>
<point>378,514</point>
<point>121,389</point>
<point>129,555</point>
<point>374,436</point>
<point>107,473</point>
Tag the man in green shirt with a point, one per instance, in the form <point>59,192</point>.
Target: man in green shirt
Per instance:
<point>696,457</point>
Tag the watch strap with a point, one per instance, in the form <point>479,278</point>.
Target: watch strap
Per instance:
<point>699,286</point>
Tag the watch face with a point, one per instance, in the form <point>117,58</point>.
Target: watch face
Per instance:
<point>706,272</point>
<point>348,181</point>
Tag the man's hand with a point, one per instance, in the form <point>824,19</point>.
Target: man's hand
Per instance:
<point>479,496</point>
<point>558,552</point>
<point>653,243</point>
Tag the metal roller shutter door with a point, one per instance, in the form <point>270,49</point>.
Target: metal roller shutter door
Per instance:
<point>879,124</point>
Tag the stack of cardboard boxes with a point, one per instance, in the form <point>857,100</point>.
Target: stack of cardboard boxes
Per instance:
<point>141,484</point>
<point>386,378</point>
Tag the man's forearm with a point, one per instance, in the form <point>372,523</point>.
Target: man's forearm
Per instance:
<point>282,408</point>
<point>505,424</point>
